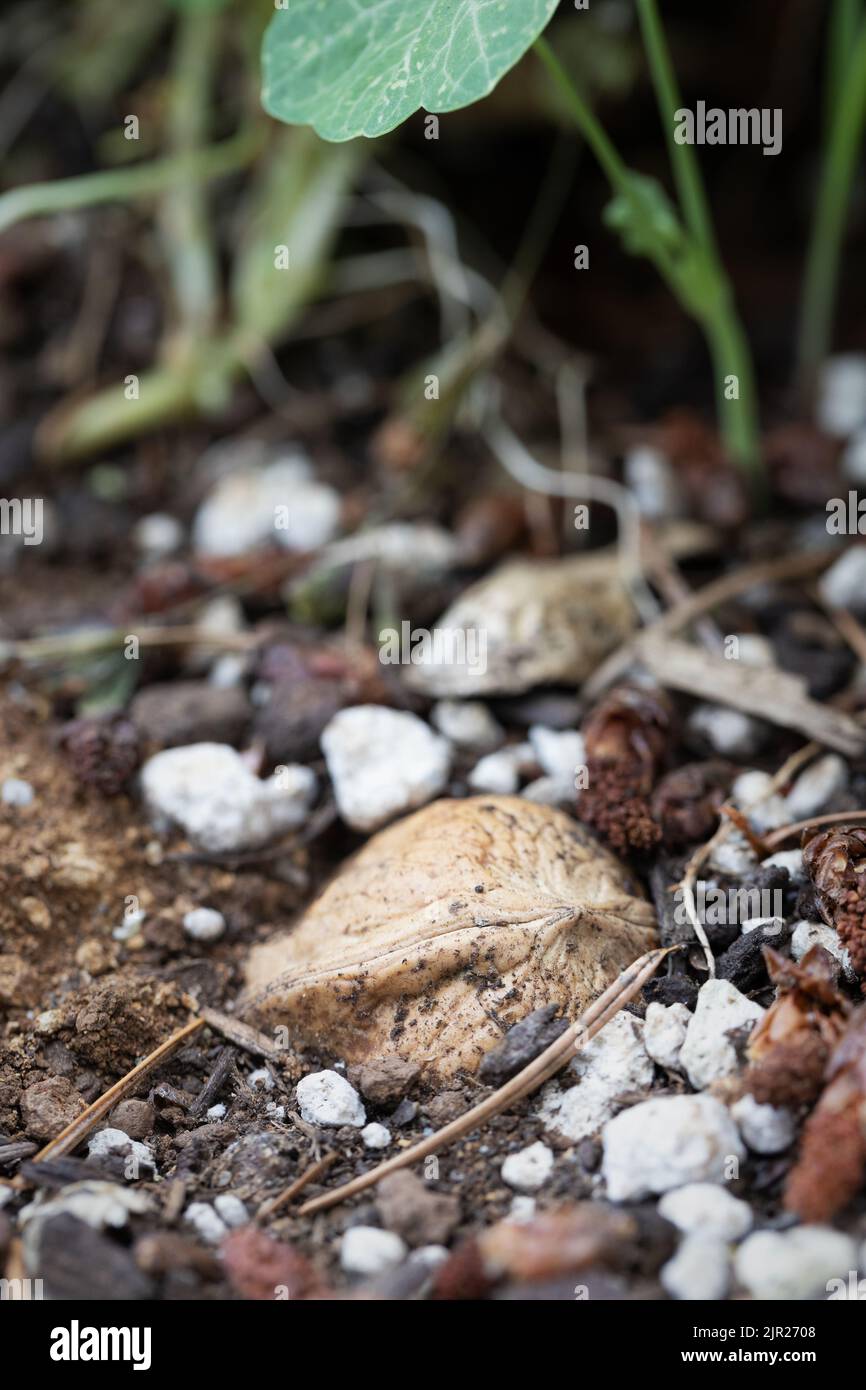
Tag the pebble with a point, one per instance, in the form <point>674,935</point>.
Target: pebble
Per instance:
<point>768,814</point>
<point>703,1208</point>
<point>523,1042</point>
<point>244,510</point>
<point>497,772</point>
<point>522,1209</point>
<point>841,404</point>
<point>729,732</point>
<point>707,1054</point>
<point>158,535</point>
<point>135,1117</point>
<point>383,762</point>
<point>48,1106</point>
<point>386,1079</point>
<point>216,1112</point>
<point>231,1209</point>
<point>794,1264</point>
<point>16,792</point>
<point>375,1136</point>
<point>209,791</point>
<point>206,1222</point>
<point>734,856</point>
<point>790,859</point>
<point>412,1208</point>
<point>767,1129</point>
<point>204,924</point>
<point>843,585</point>
<point>261,1077</point>
<point>808,934</point>
<point>817,787</point>
<point>99,1204</point>
<point>613,1063</point>
<point>114,1141</point>
<point>665,1032</point>
<point>368,1250</point>
<point>700,1269</point>
<point>173,714</point>
<point>661,1144</point>
<point>550,791</point>
<point>326,1098</point>
<point>768,926</point>
<point>560,754</point>
<point>529,1169</point>
<point>652,482</point>
<point>468,724</point>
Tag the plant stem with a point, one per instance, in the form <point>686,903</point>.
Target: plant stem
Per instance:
<point>844,138</point>
<point>140,181</point>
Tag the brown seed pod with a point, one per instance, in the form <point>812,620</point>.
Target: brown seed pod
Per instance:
<point>626,737</point>
<point>686,802</point>
<point>103,752</point>
<point>836,861</point>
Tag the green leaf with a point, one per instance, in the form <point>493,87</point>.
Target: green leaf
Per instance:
<point>360,67</point>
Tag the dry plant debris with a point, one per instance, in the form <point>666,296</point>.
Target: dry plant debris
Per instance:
<point>626,737</point>
<point>448,927</point>
<point>832,1159</point>
<point>836,860</point>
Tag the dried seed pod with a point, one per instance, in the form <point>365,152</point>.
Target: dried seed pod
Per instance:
<point>104,752</point>
<point>626,737</point>
<point>686,802</point>
<point>836,861</point>
<point>832,1160</point>
<point>789,1049</point>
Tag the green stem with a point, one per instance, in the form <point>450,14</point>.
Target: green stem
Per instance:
<point>844,139</point>
<point>844,23</point>
<point>140,181</point>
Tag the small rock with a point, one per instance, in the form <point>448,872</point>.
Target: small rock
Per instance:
<point>764,815</point>
<point>468,724</point>
<point>326,1098</point>
<point>16,792</point>
<point>665,1032</point>
<point>729,732</point>
<point>794,1264</point>
<point>183,712</point>
<point>447,1106</point>
<point>375,1136</point>
<point>703,1208</point>
<point>529,1169</point>
<point>231,1210</point>
<point>550,791</point>
<point>843,585</point>
<point>708,1054</point>
<point>99,1204</point>
<point>816,787</point>
<point>411,1208</point>
<point>206,1222</point>
<point>209,791</point>
<point>497,773</point>
<point>49,1106</point>
<point>260,1079</point>
<point>700,1270</point>
<point>204,924</point>
<point>808,934</point>
<point>262,1268</point>
<point>385,1080</point>
<point>614,1063</point>
<point>664,1143</point>
<point>521,1045</point>
<point>743,964</point>
<point>841,404</point>
<point>734,856</point>
<point>383,762</point>
<point>767,1129</point>
<point>114,1141</point>
<point>281,503</point>
<point>790,859</point>
<point>157,535</point>
<point>367,1250</point>
<point>135,1117</point>
<point>560,754</point>
<point>216,1112</point>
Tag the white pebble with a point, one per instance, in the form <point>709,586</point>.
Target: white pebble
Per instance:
<point>766,814</point>
<point>16,792</point>
<point>665,1032</point>
<point>734,856</point>
<point>816,787</point>
<point>522,1209</point>
<point>790,859</point>
<point>375,1136</point>
<point>204,924</point>
<point>808,934</point>
<point>206,1223</point>
<point>158,535</point>
<point>843,585</point>
<point>216,1112</point>
<point>550,791</point>
<point>231,1210</point>
<point>497,773</point>
<point>841,404</point>
<point>468,724</point>
<point>704,1208</point>
<point>664,1143</point>
<point>327,1098</point>
<point>729,732</point>
<point>281,503</point>
<point>767,1129</point>
<point>209,791</point>
<point>770,926</point>
<point>614,1063</point>
<point>261,1077</point>
<point>383,762</point>
<point>429,1255</point>
<point>529,1169</point>
<point>115,1141</point>
<point>708,1054</point>
<point>368,1250</point>
<point>700,1270</point>
<point>794,1264</point>
<point>560,754</point>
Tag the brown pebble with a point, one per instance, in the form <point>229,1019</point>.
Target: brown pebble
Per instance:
<point>49,1106</point>
<point>134,1117</point>
<point>414,1211</point>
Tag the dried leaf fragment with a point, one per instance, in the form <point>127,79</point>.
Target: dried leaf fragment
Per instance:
<point>447,928</point>
<point>830,1168</point>
<point>836,860</point>
<point>788,1050</point>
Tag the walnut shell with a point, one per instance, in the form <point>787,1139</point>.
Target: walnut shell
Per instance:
<point>447,928</point>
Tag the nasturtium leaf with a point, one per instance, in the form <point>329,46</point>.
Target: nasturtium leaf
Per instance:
<point>360,67</point>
